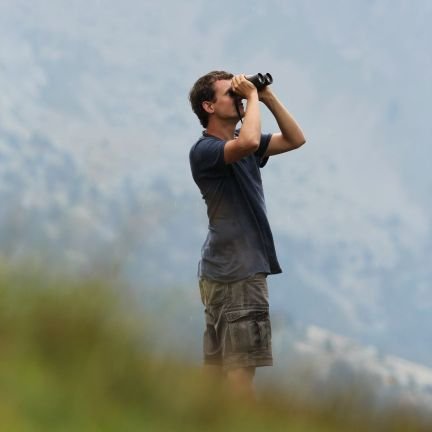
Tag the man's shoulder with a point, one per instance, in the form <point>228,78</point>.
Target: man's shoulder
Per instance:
<point>207,153</point>
<point>205,139</point>
<point>206,144</point>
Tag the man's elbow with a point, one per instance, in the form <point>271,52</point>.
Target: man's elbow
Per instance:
<point>250,144</point>
<point>294,144</point>
<point>255,145</point>
<point>301,141</point>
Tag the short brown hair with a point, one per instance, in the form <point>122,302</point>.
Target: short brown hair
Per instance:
<point>203,90</point>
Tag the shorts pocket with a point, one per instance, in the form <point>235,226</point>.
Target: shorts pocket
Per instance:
<point>249,329</point>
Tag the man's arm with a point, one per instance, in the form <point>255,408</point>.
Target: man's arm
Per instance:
<point>291,136</point>
<point>250,133</point>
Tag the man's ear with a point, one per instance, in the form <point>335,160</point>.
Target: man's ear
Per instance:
<point>208,107</point>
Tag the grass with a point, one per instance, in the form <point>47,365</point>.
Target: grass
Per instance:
<point>75,355</point>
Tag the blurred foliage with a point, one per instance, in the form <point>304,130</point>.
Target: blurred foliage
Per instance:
<point>75,356</point>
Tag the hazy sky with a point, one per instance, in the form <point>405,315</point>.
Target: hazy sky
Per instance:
<point>103,85</point>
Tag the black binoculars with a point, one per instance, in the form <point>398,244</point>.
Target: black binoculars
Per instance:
<point>259,80</point>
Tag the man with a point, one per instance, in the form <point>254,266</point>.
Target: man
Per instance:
<point>238,252</point>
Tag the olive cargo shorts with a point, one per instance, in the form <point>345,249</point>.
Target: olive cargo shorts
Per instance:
<point>238,332</point>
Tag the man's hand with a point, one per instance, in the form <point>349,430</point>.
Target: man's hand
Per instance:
<point>243,87</point>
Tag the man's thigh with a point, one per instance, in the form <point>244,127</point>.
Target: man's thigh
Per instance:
<point>238,329</point>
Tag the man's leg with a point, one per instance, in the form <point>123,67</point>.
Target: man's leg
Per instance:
<point>248,336</point>
<point>237,338</point>
<point>241,382</point>
<point>212,295</point>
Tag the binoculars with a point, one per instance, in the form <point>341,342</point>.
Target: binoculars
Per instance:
<point>260,80</point>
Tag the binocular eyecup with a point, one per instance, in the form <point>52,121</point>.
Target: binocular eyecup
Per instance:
<point>260,80</point>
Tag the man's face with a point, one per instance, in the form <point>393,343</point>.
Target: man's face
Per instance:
<point>224,104</point>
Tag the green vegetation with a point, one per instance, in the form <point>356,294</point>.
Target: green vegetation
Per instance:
<point>75,356</point>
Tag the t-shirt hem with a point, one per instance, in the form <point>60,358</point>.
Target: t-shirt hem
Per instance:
<point>237,278</point>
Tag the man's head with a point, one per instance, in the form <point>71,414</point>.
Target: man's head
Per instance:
<point>204,91</point>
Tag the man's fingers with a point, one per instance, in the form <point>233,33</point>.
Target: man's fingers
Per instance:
<point>241,86</point>
<point>237,81</point>
<point>238,78</point>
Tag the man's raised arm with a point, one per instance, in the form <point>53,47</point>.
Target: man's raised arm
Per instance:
<point>290,136</point>
<point>248,140</point>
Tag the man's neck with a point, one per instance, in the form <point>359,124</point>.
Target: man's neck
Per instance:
<point>224,131</point>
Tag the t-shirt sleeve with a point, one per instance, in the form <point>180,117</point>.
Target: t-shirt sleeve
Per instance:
<point>208,155</point>
<point>259,154</point>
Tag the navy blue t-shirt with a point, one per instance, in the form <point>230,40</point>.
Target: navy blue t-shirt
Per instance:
<point>239,242</point>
